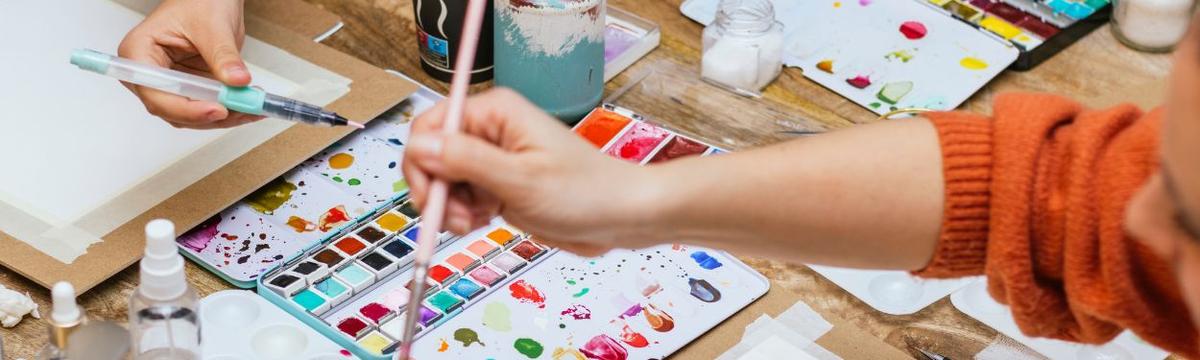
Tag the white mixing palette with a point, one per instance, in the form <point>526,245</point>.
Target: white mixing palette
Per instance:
<point>975,301</point>
<point>239,324</point>
<point>892,292</point>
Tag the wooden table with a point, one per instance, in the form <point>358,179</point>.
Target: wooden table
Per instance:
<point>1097,70</point>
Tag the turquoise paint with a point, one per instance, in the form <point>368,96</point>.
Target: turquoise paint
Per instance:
<point>567,86</point>
<point>466,288</point>
<point>354,274</point>
<point>331,287</point>
<point>308,300</point>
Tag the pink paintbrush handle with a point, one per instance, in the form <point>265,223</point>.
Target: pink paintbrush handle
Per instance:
<point>435,208</point>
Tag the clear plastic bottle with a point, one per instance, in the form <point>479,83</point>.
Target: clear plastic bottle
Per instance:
<point>163,311</point>
<point>65,317</point>
<point>743,47</point>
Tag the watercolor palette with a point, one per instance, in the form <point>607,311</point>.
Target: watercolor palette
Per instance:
<point>891,292</point>
<point>975,301</point>
<point>627,38</point>
<point>239,324</point>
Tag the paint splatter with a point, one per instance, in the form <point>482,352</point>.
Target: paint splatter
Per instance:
<point>581,293</point>
<point>528,347</point>
<point>913,30</point>
<point>341,161</point>
<point>901,55</point>
<point>271,196</point>
<point>632,311</point>
<point>860,81</point>
<point>345,352</point>
<point>826,66</point>
<point>837,4</point>
<point>198,238</point>
<point>705,260</point>
<point>395,141</point>
<point>526,293</point>
<point>603,347</point>
<point>973,63</point>
<point>864,2</point>
<point>399,186</point>
<point>467,337</point>
<point>633,338</point>
<point>444,346</point>
<point>354,182</point>
<point>578,312</point>
<point>392,165</point>
<point>497,316</point>
<point>563,353</point>
<point>332,218</point>
<point>659,320</point>
<point>704,291</point>
<point>300,225</point>
<point>891,93</point>
<point>876,105</point>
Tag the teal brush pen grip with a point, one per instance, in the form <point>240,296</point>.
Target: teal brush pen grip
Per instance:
<point>243,99</point>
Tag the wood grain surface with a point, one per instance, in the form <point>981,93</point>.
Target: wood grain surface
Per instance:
<point>1096,70</point>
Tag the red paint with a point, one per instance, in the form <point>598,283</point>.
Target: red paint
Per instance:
<point>440,273</point>
<point>861,81</point>
<point>229,237</point>
<point>578,312</point>
<point>603,347</point>
<point>633,338</point>
<point>352,326</point>
<point>913,30</point>
<point>374,311</point>
<point>345,353</point>
<point>525,292</point>
<point>332,218</point>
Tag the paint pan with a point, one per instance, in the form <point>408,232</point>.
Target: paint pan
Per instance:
<point>241,325</point>
<point>351,246</point>
<point>445,302</point>
<point>333,289</point>
<point>508,262</point>
<point>501,236</point>
<point>483,249</point>
<point>466,289</point>
<point>462,262</point>
<point>355,276</point>
<point>527,250</point>
<point>394,328</point>
<point>287,284</point>
<point>398,249</point>
<point>313,271</point>
<point>487,275</point>
<point>372,235</point>
<point>331,258</point>
<point>380,264</point>
<point>627,38</point>
<point>678,147</point>
<point>392,222</point>
<point>638,142</point>
<point>601,126</point>
<point>442,274</point>
<point>376,312</point>
<point>354,327</point>
<point>375,342</point>
<point>311,301</point>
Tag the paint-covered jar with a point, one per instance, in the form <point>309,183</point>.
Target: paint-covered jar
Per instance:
<point>743,46</point>
<point>552,52</point>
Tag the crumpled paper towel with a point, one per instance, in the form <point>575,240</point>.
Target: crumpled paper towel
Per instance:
<point>14,306</point>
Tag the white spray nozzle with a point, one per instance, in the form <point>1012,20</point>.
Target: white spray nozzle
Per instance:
<point>65,310</point>
<point>162,268</point>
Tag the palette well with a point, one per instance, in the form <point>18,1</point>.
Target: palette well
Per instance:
<point>627,38</point>
<point>239,324</point>
<point>891,292</point>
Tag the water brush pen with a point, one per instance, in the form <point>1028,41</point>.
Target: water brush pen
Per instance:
<point>249,100</point>
<point>435,208</point>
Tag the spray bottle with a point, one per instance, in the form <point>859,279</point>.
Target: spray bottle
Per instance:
<point>163,318</point>
<point>63,320</point>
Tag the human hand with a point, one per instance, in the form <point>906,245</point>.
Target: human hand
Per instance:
<point>514,160</point>
<point>198,37</point>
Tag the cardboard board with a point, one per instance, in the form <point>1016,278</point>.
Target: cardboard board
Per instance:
<point>372,92</point>
<point>845,339</point>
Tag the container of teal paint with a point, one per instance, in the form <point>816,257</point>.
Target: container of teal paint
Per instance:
<point>552,52</point>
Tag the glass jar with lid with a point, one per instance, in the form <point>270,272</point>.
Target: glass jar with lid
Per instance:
<point>743,46</point>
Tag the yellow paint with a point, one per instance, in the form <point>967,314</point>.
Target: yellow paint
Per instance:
<point>837,4</point>
<point>341,161</point>
<point>391,222</point>
<point>374,342</point>
<point>1000,27</point>
<point>973,63</point>
<point>300,224</point>
<point>826,66</point>
<point>445,346</point>
<point>563,353</point>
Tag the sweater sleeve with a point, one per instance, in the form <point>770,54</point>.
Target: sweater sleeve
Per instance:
<point>1035,199</point>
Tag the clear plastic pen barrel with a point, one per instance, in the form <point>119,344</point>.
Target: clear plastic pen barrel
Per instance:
<point>288,109</point>
<point>187,85</point>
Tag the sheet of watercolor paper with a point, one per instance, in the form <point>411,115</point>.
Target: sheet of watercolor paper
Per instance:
<point>85,156</point>
<point>884,55</point>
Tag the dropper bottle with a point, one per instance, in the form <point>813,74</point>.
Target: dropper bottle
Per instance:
<point>163,319</point>
<point>65,317</point>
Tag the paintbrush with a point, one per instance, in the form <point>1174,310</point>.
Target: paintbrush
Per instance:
<point>435,205</point>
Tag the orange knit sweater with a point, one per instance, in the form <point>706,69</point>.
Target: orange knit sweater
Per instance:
<point>1035,200</point>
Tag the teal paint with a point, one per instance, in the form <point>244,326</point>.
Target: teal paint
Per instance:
<point>308,300</point>
<point>354,274</point>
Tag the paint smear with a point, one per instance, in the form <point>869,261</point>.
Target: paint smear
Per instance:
<point>891,93</point>
<point>837,4</point>
<point>332,218</point>
<point>902,55</point>
<point>467,337</point>
<point>913,30</point>
<point>399,186</point>
<point>578,312</point>
<point>704,291</point>
<point>271,196</point>
<point>633,338</point>
<point>861,81</point>
<point>581,293</point>
<point>528,347</point>
<point>198,238</point>
<point>300,225</point>
<point>444,346</point>
<point>632,311</point>
<point>563,353</point>
<point>649,286</point>
<point>705,260</point>
<point>497,316</point>
<point>973,63</point>
<point>526,293</point>
<point>341,161</point>
<point>659,320</point>
<point>864,2</point>
<point>826,66</point>
<point>603,347</point>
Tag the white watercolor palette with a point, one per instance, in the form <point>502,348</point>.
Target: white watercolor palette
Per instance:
<point>937,63</point>
<point>238,324</point>
<point>892,292</point>
<point>975,301</point>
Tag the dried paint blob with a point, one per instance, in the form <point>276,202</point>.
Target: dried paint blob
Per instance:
<point>467,337</point>
<point>563,353</point>
<point>603,347</point>
<point>826,66</point>
<point>577,312</point>
<point>341,161</point>
<point>704,291</point>
<point>498,317</point>
<point>300,225</point>
<point>973,63</point>
<point>444,346</point>
<point>861,81</point>
<point>900,55</point>
<point>271,196</point>
<point>659,320</point>
<point>332,218</point>
<point>528,347</point>
<point>198,238</point>
<point>527,293</point>
<point>705,260</point>
<point>633,338</point>
<point>891,93</point>
<point>913,30</point>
